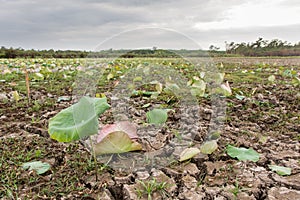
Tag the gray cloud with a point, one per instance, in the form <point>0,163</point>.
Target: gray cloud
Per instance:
<point>83,24</point>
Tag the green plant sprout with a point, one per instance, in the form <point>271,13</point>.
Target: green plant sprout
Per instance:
<point>150,187</point>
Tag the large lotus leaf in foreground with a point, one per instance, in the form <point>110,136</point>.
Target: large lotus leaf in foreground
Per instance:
<point>77,121</point>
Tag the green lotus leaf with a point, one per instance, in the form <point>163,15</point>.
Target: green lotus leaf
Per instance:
<point>157,116</point>
<point>38,166</point>
<point>242,154</point>
<point>77,121</point>
<point>281,170</point>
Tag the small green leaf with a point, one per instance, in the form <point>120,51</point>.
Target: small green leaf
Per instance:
<point>242,154</point>
<point>188,153</point>
<point>209,147</point>
<point>281,170</point>
<point>157,116</point>
<point>38,166</point>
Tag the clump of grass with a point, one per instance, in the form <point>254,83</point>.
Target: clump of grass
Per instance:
<point>150,187</point>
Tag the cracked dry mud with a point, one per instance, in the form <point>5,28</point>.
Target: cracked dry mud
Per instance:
<point>267,121</point>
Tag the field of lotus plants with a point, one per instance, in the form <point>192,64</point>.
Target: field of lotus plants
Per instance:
<point>150,128</point>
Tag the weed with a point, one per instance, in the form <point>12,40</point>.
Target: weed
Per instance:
<point>150,187</point>
<point>201,179</point>
<point>236,189</point>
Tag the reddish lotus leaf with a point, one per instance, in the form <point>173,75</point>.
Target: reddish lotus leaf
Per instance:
<point>123,126</point>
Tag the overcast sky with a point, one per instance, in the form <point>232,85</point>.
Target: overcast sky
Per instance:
<point>103,24</point>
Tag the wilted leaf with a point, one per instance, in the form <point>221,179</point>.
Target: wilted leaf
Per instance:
<point>77,121</point>
<point>239,97</point>
<point>63,98</point>
<point>6,71</point>
<point>38,76</point>
<point>138,78</point>
<point>109,76</point>
<point>154,95</point>
<point>158,87</point>
<point>171,87</point>
<point>280,170</point>
<point>295,81</point>
<point>123,126</point>
<point>214,77</point>
<point>157,116</point>
<point>16,95</point>
<point>271,78</point>
<point>188,153</point>
<point>209,147</point>
<point>242,153</point>
<point>189,83</point>
<point>220,76</point>
<point>202,74</point>
<point>146,105</point>
<point>221,66</point>
<point>198,88</point>
<point>100,95</point>
<point>38,166</point>
<point>116,142</point>
<point>226,89</point>
<point>259,69</point>
<point>214,135</point>
<point>142,92</point>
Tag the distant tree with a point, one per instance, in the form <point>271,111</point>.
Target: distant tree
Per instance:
<point>10,53</point>
<point>213,48</point>
<point>263,47</point>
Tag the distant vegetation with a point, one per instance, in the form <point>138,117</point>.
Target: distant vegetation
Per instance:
<point>22,53</point>
<point>260,47</point>
<point>263,47</point>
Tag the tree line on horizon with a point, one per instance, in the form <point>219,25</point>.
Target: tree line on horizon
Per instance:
<point>263,47</point>
<point>260,47</point>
